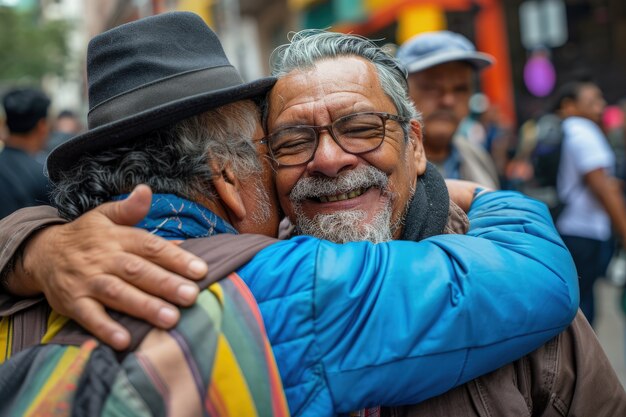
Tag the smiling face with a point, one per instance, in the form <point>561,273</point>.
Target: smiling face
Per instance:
<point>338,195</point>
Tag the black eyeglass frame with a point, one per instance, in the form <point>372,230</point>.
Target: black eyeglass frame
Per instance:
<point>384,117</point>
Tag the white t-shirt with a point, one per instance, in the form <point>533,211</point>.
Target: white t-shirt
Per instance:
<point>585,149</point>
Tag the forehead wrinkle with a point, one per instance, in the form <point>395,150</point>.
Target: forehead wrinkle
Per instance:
<point>280,105</point>
<point>320,94</point>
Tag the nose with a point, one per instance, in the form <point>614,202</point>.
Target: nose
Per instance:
<point>447,99</point>
<point>329,158</point>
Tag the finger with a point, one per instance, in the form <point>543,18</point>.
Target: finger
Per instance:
<point>91,315</point>
<point>153,279</point>
<point>130,210</point>
<point>120,296</point>
<point>166,254</point>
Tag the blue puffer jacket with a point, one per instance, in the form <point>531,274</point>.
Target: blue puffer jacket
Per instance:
<point>359,324</point>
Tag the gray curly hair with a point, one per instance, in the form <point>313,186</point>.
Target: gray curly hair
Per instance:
<point>171,160</point>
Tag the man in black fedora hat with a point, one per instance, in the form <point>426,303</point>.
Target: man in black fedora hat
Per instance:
<point>325,305</point>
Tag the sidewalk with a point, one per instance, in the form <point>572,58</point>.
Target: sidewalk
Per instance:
<point>611,325</point>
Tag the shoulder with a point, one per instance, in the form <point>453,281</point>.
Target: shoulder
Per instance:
<point>219,346</point>
<point>477,164</point>
<point>507,203</point>
<point>284,270</point>
<point>585,144</point>
<point>573,371</point>
<point>12,158</point>
<point>581,128</point>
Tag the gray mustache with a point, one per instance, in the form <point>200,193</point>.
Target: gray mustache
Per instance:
<point>361,177</point>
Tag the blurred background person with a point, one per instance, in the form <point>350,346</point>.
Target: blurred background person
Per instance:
<point>4,133</point>
<point>485,127</point>
<point>592,199</point>
<point>22,181</point>
<point>519,170</point>
<point>613,124</point>
<point>615,127</point>
<point>442,67</point>
<point>540,146</point>
<point>66,125</point>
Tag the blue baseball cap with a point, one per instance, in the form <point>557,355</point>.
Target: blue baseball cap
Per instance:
<point>429,49</point>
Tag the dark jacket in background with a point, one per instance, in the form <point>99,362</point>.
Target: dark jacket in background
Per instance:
<point>22,182</point>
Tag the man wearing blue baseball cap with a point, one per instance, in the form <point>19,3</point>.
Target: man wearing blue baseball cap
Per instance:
<point>442,67</point>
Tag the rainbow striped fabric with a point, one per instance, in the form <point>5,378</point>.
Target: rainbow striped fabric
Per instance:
<point>216,362</point>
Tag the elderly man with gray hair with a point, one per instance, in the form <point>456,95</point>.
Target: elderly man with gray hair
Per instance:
<point>350,325</point>
<point>443,68</point>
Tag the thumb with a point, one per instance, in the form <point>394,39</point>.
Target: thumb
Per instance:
<point>131,210</point>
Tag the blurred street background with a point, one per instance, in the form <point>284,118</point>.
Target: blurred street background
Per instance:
<point>610,326</point>
<point>44,41</point>
<point>538,45</point>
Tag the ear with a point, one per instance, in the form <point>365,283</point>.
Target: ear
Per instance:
<point>416,147</point>
<point>228,189</point>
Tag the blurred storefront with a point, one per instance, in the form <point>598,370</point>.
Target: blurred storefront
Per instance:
<point>593,35</point>
<point>594,48</point>
<point>584,38</point>
<point>248,29</point>
<point>394,21</point>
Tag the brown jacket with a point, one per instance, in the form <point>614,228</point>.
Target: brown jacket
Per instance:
<point>29,313</point>
<point>568,376</point>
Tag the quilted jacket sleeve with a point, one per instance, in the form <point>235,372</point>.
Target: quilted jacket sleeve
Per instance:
<point>360,324</point>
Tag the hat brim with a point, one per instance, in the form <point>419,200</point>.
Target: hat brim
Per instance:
<point>478,60</point>
<point>113,134</point>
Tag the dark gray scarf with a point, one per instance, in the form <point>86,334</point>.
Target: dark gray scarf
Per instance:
<point>427,214</point>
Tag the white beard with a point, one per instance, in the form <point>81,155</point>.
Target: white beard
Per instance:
<point>346,226</point>
<point>349,225</point>
<point>262,213</point>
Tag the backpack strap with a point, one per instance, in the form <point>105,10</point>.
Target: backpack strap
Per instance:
<point>224,253</point>
<point>27,326</point>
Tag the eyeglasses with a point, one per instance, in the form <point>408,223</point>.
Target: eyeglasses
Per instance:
<point>355,133</point>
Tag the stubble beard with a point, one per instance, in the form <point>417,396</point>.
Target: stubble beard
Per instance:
<point>262,212</point>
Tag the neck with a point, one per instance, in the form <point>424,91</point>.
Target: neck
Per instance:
<point>427,212</point>
<point>27,143</point>
<point>215,205</point>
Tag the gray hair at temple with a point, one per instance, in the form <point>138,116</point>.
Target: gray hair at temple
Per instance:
<point>308,46</point>
<point>171,160</point>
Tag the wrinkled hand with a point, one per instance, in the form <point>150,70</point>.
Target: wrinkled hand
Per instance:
<point>462,192</point>
<point>98,260</point>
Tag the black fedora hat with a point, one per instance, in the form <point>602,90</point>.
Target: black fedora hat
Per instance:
<point>150,73</point>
